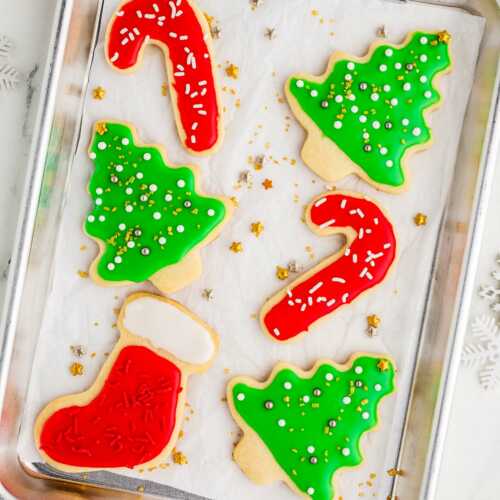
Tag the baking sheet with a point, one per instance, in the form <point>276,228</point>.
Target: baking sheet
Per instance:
<point>257,123</point>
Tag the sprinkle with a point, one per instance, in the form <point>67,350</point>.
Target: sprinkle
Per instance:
<point>236,247</point>
<point>257,228</point>
<point>270,33</point>
<point>316,287</point>
<point>281,273</point>
<point>78,350</point>
<point>336,279</point>
<point>240,397</point>
<point>327,223</point>
<point>207,294</point>
<point>232,71</point>
<point>99,93</point>
<point>373,321</point>
<point>444,37</point>
<point>383,365</point>
<point>178,457</point>
<point>267,183</point>
<point>420,219</point>
<point>76,369</point>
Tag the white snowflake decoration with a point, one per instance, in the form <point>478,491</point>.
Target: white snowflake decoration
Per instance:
<point>9,76</point>
<point>484,351</point>
<point>492,293</point>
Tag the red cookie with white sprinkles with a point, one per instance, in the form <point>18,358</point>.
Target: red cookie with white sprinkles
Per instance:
<point>360,265</point>
<point>182,32</point>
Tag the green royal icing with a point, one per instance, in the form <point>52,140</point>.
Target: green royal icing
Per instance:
<point>373,111</point>
<point>147,213</point>
<point>314,425</point>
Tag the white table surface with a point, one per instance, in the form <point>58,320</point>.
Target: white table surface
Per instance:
<point>470,467</point>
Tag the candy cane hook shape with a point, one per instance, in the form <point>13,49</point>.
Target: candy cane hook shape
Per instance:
<point>359,266</point>
<point>182,32</point>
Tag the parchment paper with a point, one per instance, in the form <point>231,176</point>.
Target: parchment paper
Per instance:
<point>256,119</point>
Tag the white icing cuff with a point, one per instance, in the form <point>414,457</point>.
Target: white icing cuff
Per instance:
<point>168,328</point>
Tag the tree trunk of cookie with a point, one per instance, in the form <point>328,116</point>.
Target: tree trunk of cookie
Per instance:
<point>319,153</point>
<point>255,460</point>
<point>173,278</point>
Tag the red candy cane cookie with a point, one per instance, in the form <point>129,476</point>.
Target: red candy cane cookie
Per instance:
<point>181,31</point>
<point>360,265</point>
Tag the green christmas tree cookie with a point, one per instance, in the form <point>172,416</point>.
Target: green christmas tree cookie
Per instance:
<point>301,427</point>
<point>366,116</point>
<point>149,218</point>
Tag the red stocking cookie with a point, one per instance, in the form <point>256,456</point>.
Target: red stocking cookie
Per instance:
<point>359,266</point>
<point>181,31</point>
<point>131,415</point>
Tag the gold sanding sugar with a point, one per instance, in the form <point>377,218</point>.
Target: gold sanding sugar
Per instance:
<point>178,457</point>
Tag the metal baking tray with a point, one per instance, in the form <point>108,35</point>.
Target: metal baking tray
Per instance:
<point>449,292</point>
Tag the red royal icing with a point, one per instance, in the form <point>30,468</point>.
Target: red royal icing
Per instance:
<point>129,423</point>
<point>173,24</point>
<point>363,265</point>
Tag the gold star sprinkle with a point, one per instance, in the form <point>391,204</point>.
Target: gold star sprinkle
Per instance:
<point>76,369</point>
<point>420,219</point>
<point>257,228</point>
<point>232,71</point>
<point>236,247</point>
<point>164,89</point>
<point>101,128</point>
<point>373,324</point>
<point>207,294</point>
<point>373,321</point>
<point>78,350</point>
<point>383,365</point>
<point>256,3</point>
<point>267,183</point>
<point>99,93</point>
<point>235,201</point>
<point>271,33</point>
<point>281,273</point>
<point>444,37</point>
